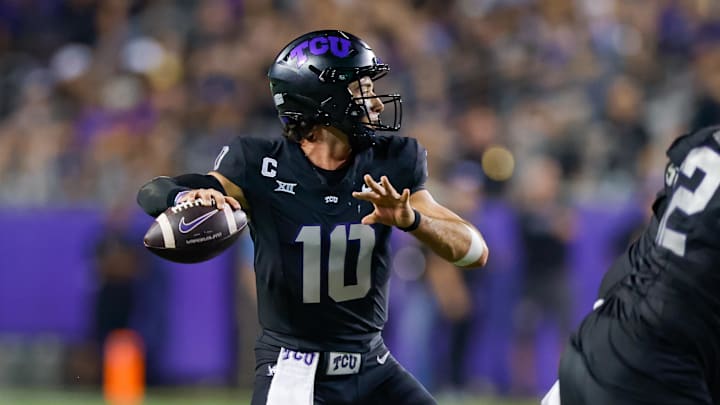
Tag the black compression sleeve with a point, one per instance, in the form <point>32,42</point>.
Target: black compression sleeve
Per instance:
<point>158,194</point>
<point>195,180</point>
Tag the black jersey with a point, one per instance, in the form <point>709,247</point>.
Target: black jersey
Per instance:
<point>321,275</point>
<point>669,279</point>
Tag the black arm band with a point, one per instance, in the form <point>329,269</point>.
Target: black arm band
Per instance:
<point>194,180</point>
<point>159,193</point>
<point>415,224</point>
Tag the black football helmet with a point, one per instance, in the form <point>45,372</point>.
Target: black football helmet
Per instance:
<point>309,82</point>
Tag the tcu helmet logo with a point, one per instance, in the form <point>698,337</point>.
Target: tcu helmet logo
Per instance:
<point>339,47</point>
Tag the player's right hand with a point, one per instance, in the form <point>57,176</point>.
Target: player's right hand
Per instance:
<point>209,197</point>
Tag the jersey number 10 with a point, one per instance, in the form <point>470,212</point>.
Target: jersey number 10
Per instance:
<point>690,202</point>
<point>310,237</point>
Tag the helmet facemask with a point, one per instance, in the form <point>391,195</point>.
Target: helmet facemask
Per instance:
<point>351,113</point>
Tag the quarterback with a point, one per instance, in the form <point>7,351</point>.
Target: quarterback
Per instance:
<point>322,201</point>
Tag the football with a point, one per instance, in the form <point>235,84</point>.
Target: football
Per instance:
<point>192,233</point>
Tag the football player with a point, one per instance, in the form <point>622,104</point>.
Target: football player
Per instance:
<point>654,335</point>
<point>322,202</point>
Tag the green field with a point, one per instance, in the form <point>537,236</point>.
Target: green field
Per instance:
<point>181,397</point>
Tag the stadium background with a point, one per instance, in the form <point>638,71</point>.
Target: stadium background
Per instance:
<point>546,123</point>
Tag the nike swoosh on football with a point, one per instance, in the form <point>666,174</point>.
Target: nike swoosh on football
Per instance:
<point>187,227</point>
<point>383,359</point>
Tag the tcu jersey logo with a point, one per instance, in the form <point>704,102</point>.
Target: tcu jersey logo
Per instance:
<point>343,363</point>
<point>287,354</point>
<point>339,47</point>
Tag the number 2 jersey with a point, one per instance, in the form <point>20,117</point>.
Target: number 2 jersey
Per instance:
<point>321,275</point>
<point>665,289</point>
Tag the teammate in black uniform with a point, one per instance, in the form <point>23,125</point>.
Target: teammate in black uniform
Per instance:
<point>654,337</point>
<point>322,202</point>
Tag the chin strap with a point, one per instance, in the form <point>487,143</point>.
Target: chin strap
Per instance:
<point>362,141</point>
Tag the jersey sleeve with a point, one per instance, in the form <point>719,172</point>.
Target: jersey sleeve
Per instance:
<point>420,172</point>
<point>231,162</point>
<point>405,159</point>
<point>681,146</point>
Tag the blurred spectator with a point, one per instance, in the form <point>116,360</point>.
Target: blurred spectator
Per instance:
<point>479,129</point>
<point>545,228</point>
<point>618,147</point>
<point>707,65</point>
<point>131,294</point>
<point>625,131</point>
<point>455,290</point>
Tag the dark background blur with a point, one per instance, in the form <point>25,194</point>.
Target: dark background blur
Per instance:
<point>546,123</point>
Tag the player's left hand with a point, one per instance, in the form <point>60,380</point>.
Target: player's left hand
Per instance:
<point>391,208</point>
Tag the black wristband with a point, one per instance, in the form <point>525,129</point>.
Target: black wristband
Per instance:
<point>414,225</point>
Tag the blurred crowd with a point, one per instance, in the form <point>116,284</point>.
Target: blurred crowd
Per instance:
<point>97,96</point>
<point>541,103</point>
